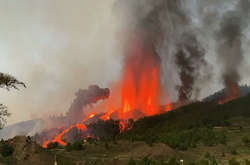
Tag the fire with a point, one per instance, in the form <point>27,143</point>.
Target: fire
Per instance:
<point>81,127</point>
<point>140,82</point>
<point>122,126</point>
<point>232,93</point>
<point>139,89</point>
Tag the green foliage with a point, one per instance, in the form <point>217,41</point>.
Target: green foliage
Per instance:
<point>247,162</point>
<point>68,147</point>
<point>233,161</point>
<point>208,160</point>
<point>146,161</point>
<point>6,149</point>
<point>173,161</point>
<point>109,129</point>
<point>245,140</point>
<point>233,151</point>
<point>52,145</point>
<point>131,162</point>
<point>78,145</point>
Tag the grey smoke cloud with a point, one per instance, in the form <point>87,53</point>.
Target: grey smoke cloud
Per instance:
<point>56,47</point>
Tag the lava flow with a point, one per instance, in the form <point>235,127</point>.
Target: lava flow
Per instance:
<point>80,127</point>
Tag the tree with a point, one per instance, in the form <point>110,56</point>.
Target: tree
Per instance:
<point>7,82</point>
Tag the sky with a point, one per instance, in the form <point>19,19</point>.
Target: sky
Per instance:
<point>59,46</point>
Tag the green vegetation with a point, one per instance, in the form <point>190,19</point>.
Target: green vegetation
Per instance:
<point>198,123</point>
<point>52,145</point>
<point>6,149</point>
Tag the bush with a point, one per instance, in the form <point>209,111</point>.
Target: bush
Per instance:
<point>132,162</point>
<point>6,150</point>
<point>77,146</point>
<point>68,147</point>
<point>173,161</point>
<point>247,162</point>
<point>245,140</point>
<point>233,161</point>
<point>52,145</point>
<point>234,152</point>
<point>146,161</point>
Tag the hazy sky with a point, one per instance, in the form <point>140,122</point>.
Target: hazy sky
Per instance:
<point>55,47</point>
<point>59,46</point>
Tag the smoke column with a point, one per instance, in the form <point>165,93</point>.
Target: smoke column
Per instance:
<point>85,97</point>
<point>165,25</point>
<point>229,47</point>
<point>189,58</point>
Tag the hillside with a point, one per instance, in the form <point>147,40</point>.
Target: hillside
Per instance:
<point>199,132</point>
<point>26,128</point>
<point>244,91</point>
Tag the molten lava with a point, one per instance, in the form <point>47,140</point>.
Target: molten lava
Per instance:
<point>80,127</point>
<point>140,82</point>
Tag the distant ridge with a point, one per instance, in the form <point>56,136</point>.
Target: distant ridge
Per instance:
<point>24,128</point>
<point>244,91</point>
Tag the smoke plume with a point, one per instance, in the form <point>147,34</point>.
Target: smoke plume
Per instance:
<point>166,26</point>
<point>229,47</point>
<point>85,97</point>
<point>189,58</point>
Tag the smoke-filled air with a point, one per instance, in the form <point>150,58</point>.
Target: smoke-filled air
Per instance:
<point>141,58</point>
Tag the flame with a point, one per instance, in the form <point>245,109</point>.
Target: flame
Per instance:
<point>232,93</point>
<point>122,126</point>
<point>45,144</point>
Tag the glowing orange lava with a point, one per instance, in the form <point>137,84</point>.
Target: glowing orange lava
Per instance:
<point>79,126</point>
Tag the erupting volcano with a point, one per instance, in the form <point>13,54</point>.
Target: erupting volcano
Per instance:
<point>139,91</point>
<point>140,81</point>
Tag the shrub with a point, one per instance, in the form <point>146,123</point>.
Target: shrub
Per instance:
<point>52,145</point>
<point>247,162</point>
<point>234,152</point>
<point>245,140</point>
<point>6,150</point>
<point>132,162</point>
<point>173,161</point>
<point>68,147</point>
<point>77,145</point>
<point>233,161</point>
<point>146,161</point>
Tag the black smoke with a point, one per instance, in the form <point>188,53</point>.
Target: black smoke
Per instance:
<point>83,98</point>
<point>189,58</point>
